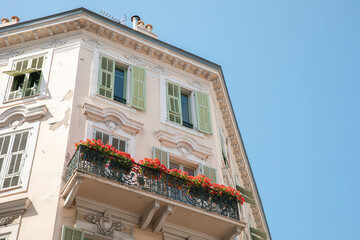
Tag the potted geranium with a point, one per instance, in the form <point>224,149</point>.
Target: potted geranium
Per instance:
<point>220,191</point>
<point>113,158</point>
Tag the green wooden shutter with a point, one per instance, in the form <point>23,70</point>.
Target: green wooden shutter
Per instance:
<point>163,156</point>
<point>106,77</point>
<point>138,88</point>
<point>247,194</point>
<point>257,233</point>
<point>16,160</point>
<point>70,233</point>
<point>32,85</point>
<point>223,151</point>
<point>174,103</point>
<point>210,173</point>
<point>203,112</point>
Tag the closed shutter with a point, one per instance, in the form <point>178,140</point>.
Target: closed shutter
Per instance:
<point>138,82</point>
<point>69,233</point>
<point>174,103</point>
<point>203,112</point>
<point>15,162</point>
<point>224,151</point>
<point>210,173</point>
<point>106,77</point>
<point>163,156</point>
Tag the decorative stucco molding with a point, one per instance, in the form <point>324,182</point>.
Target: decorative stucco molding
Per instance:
<point>16,116</point>
<point>6,220</point>
<point>94,43</point>
<point>145,64</point>
<point>198,85</point>
<point>53,44</point>
<point>105,225</point>
<point>113,118</point>
<point>11,54</point>
<point>185,144</point>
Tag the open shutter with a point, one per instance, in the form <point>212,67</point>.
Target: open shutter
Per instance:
<point>69,233</point>
<point>163,156</point>
<point>18,80</point>
<point>224,151</point>
<point>203,112</point>
<point>257,234</point>
<point>247,194</point>
<point>106,77</point>
<point>174,103</point>
<point>33,82</point>
<point>16,160</point>
<point>210,173</point>
<point>138,82</point>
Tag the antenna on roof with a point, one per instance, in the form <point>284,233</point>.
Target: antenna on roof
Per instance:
<point>122,20</point>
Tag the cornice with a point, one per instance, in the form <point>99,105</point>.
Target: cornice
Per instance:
<point>185,145</point>
<point>16,116</point>
<point>14,208</point>
<point>113,118</point>
<point>82,19</point>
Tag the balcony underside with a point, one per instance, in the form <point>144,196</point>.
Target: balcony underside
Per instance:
<point>151,210</point>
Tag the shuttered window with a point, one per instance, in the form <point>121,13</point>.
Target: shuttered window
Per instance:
<point>115,141</point>
<point>203,112</point>
<point>138,88</point>
<point>113,84</point>
<point>247,194</point>
<point>210,173</point>
<point>26,78</point>
<point>12,155</point>
<point>257,234</point>
<point>70,233</point>
<point>163,156</point>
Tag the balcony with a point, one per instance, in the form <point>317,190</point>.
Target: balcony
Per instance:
<point>90,176</point>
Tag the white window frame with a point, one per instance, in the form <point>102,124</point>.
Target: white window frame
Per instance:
<point>95,78</point>
<point>163,106</point>
<point>119,133</point>
<point>45,72</point>
<point>33,129</point>
<point>111,135</point>
<point>10,231</point>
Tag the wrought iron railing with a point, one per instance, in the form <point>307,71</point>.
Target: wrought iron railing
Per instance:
<point>151,180</point>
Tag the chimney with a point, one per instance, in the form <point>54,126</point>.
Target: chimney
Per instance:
<point>135,20</point>
<point>5,22</point>
<point>141,27</point>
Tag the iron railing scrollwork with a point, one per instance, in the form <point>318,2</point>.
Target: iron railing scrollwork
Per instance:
<point>151,180</point>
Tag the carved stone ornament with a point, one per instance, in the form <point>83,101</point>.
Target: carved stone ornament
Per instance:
<point>198,85</point>
<point>94,43</point>
<point>105,225</point>
<point>184,151</point>
<point>11,54</point>
<point>53,44</point>
<point>143,63</point>
<point>6,220</point>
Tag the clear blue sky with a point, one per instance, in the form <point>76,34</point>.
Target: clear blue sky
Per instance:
<point>292,70</point>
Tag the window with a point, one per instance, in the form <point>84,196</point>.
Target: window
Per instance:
<point>69,233</point>
<point>26,78</point>
<point>183,167</point>
<point>163,156</point>
<point>179,102</point>
<point>224,150</point>
<point>116,142</point>
<point>12,155</point>
<point>113,83</point>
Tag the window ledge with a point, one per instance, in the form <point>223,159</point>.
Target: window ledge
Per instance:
<point>183,129</point>
<point>29,98</point>
<point>10,189</point>
<point>115,103</point>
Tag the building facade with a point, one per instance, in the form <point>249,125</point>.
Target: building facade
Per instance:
<point>78,75</point>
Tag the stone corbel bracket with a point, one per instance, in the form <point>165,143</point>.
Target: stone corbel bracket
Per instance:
<point>185,144</point>
<point>113,118</point>
<point>15,116</point>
